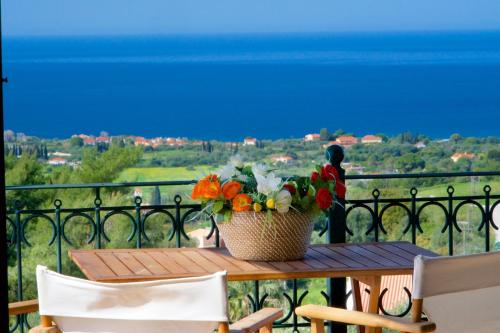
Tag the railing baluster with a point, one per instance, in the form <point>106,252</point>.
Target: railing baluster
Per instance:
<point>450,222</point>
<point>413,217</point>
<point>178,222</point>
<point>137,221</point>
<point>57,204</point>
<point>487,225</point>
<point>97,210</point>
<point>376,222</point>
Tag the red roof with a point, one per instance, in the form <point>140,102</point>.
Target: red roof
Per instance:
<point>346,140</point>
<point>371,138</point>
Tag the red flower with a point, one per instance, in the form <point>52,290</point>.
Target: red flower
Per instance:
<point>328,172</point>
<point>290,188</point>
<point>340,189</point>
<point>314,176</point>
<point>323,198</point>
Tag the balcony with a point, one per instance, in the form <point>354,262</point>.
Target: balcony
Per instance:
<point>448,224</point>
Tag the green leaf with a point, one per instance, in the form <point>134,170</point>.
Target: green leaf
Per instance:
<point>218,206</point>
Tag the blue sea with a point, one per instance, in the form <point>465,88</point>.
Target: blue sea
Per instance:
<point>269,86</point>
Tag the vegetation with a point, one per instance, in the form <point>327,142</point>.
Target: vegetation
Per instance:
<point>121,161</point>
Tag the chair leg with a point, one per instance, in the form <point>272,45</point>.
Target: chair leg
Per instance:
<point>356,297</point>
<point>46,321</point>
<point>317,326</point>
<point>267,329</point>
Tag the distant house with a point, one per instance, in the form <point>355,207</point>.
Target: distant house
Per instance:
<point>346,140</point>
<point>329,143</point>
<point>469,156</point>
<point>89,141</point>
<point>180,142</point>
<point>102,139</point>
<point>60,154</point>
<point>157,142</point>
<point>371,139</point>
<point>197,143</point>
<point>141,141</point>
<point>248,141</point>
<point>200,235</point>
<point>353,167</point>
<point>311,137</point>
<point>137,192</point>
<point>282,158</point>
<point>420,145</point>
<point>57,161</point>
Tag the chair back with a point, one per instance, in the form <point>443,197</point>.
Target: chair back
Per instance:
<point>460,294</point>
<point>187,305</point>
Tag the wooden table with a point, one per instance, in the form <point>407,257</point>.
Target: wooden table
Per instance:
<point>366,262</point>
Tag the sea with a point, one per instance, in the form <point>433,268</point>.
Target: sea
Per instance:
<point>269,86</point>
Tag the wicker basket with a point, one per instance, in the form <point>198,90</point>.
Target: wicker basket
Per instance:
<point>250,236</point>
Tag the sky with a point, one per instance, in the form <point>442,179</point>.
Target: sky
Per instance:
<point>126,17</point>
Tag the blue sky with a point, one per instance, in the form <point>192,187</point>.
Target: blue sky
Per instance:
<point>91,17</point>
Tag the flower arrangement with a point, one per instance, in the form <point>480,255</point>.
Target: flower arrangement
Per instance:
<point>244,188</point>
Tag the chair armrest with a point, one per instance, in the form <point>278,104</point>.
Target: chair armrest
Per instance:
<point>17,308</point>
<point>260,319</point>
<point>363,318</point>
<point>40,329</point>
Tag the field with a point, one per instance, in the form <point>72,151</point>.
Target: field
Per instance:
<point>462,186</point>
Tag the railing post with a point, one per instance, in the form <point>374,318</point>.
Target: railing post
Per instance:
<point>57,205</point>
<point>413,217</point>
<point>137,221</point>
<point>486,217</point>
<point>97,211</point>
<point>337,234</point>
<point>450,222</point>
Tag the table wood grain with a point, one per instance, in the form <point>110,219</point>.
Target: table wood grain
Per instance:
<point>321,261</point>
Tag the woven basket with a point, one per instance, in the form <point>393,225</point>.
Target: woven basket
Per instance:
<point>250,236</point>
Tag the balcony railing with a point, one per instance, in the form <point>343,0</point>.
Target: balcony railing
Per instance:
<point>428,221</point>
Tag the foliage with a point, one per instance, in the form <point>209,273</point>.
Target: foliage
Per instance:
<point>238,187</point>
<point>96,168</point>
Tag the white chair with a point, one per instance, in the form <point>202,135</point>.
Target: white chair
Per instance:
<point>188,305</point>
<point>458,294</point>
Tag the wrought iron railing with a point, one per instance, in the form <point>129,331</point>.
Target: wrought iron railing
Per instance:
<point>176,216</point>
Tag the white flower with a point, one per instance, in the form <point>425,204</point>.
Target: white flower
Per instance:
<point>242,178</point>
<point>259,169</point>
<point>267,184</point>
<point>236,161</point>
<point>228,172</point>
<point>283,201</point>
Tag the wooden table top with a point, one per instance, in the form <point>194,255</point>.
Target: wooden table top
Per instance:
<point>321,261</point>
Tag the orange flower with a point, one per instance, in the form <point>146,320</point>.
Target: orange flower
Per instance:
<point>207,188</point>
<point>230,189</point>
<point>242,203</point>
<point>196,194</point>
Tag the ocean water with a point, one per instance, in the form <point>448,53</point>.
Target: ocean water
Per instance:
<point>269,86</point>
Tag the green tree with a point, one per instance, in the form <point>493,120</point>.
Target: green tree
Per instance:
<point>105,167</point>
<point>494,155</point>
<point>324,134</point>
<point>76,142</point>
<point>409,162</point>
<point>156,196</point>
<point>455,137</point>
<point>25,170</point>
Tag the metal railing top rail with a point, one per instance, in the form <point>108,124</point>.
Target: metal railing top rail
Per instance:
<point>190,182</point>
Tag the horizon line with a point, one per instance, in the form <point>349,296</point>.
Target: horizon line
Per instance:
<point>6,35</point>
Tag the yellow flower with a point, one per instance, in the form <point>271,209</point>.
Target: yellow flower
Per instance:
<point>270,203</point>
<point>257,207</point>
